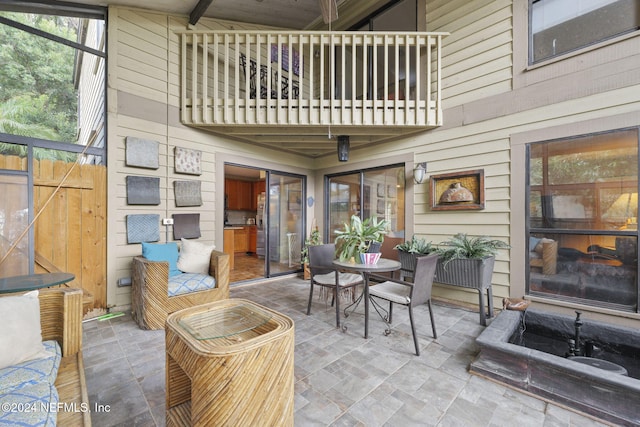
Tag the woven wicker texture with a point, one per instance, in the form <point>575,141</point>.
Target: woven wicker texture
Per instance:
<point>243,379</point>
<point>61,320</point>
<point>150,301</point>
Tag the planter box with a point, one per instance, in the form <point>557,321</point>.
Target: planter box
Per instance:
<point>469,273</point>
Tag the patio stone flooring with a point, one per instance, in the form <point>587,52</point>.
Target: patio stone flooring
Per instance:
<point>341,378</point>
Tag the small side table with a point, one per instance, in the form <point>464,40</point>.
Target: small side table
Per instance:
<point>229,362</point>
<point>30,282</point>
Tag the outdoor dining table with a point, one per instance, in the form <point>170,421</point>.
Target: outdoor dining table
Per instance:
<point>383,265</point>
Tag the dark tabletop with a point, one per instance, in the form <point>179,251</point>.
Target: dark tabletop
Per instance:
<point>30,282</point>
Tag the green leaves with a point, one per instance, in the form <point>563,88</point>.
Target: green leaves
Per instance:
<point>357,235</point>
<point>416,246</point>
<point>461,246</point>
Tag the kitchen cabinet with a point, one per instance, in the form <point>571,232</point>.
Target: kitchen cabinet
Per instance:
<point>229,246</point>
<point>253,233</point>
<point>241,239</point>
<point>258,187</point>
<point>239,195</point>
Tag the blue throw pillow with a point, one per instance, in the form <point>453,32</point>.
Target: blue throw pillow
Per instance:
<point>163,252</point>
<point>533,242</point>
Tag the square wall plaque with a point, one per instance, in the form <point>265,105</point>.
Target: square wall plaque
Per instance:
<point>187,193</point>
<point>143,190</point>
<point>143,228</point>
<point>142,153</point>
<point>188,161</point>
<point>186,225</point>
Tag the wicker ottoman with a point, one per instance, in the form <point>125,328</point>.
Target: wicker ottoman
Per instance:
<point>229,363</point>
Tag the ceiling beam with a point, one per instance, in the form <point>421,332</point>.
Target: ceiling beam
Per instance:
<point>198,11</point>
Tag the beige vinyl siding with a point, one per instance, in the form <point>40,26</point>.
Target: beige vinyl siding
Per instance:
<point>489,96</point>
<point>477,60</point>
<point>144,98</point>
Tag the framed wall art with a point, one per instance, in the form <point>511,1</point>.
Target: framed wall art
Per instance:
<point>458,191</point>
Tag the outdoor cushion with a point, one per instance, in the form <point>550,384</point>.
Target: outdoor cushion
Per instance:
<point>32,406</point>
<point>195,257</point>
<point>167,252</point>
<point>20,335</point>
<point>190,282</point>
<point>32,371</point>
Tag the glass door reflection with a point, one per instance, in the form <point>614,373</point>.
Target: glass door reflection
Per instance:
<point>285,223</point>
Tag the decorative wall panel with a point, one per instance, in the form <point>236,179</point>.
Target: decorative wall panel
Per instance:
<point>142,153</point>
<point>186,226</point>
<point>143,190</point>
<point>143,228</point>
<point>188,161</point>
<point>187,193</point>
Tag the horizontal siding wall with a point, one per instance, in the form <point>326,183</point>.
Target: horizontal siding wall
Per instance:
<point>144,99</point>
<point>477,54</point>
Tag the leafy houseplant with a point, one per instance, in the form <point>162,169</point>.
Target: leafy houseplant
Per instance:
<point>359,236</point>
<point>462,246</point>
<point>313,240</point>
<point>409,250</point>
<point>468,262</point>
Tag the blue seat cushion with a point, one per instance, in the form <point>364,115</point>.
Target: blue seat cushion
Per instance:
<point>190,282</point>
<point>32,405</point>
<point>167,252</point>
<point>32,371</point>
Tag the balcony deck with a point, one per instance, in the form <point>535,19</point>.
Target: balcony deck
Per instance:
<point>299,87</point>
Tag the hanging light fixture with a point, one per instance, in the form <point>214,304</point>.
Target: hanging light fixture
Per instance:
<point>343,148</point>
<point>420,172</point>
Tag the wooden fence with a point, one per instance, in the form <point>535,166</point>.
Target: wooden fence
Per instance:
<point>70,233</point>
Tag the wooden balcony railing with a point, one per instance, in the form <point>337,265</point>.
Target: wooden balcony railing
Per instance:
<point>311,79</point>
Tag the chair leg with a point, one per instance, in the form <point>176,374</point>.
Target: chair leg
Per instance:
<point>310,299</point>
<point>433,323</point>
<point>413,331</point>
<point>390,312</point>
<point>490,301</point>
<point>337,299</point>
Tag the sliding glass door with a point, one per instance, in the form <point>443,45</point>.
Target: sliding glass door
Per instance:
<point>285,222</point>
<point>375,192</point>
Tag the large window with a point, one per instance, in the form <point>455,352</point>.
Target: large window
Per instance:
<point>367,193</point>
<point>561,26</point>
<point>582,222</point>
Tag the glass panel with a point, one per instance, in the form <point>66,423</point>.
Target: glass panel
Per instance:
<point>583,208</point>
<point>286,212</point>
<point>586,183</point>
<point>382,196</point>
<point>345,201</point>
<point>585,268</point>
<point>386,187</point>
<point>561,26</point>
<point>14,220</point>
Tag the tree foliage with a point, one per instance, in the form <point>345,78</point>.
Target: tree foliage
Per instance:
<point>37,94</point>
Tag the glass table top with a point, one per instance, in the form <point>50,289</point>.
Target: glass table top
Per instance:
<point>224,322</point>
<point>31,282</point>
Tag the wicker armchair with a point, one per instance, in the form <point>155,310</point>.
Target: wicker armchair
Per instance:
<point>150,300</point>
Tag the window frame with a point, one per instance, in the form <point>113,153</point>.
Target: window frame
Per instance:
<point>571,52</point>
<point>529,230</point>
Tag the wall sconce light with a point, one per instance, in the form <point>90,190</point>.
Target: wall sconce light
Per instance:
<point>343,148</point>
<point>419,172</point>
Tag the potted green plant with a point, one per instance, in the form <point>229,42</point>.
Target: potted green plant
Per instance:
<point>409,250</point>
<point>468,262</point>
<point>360,236</point>
<point>313,240</point>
